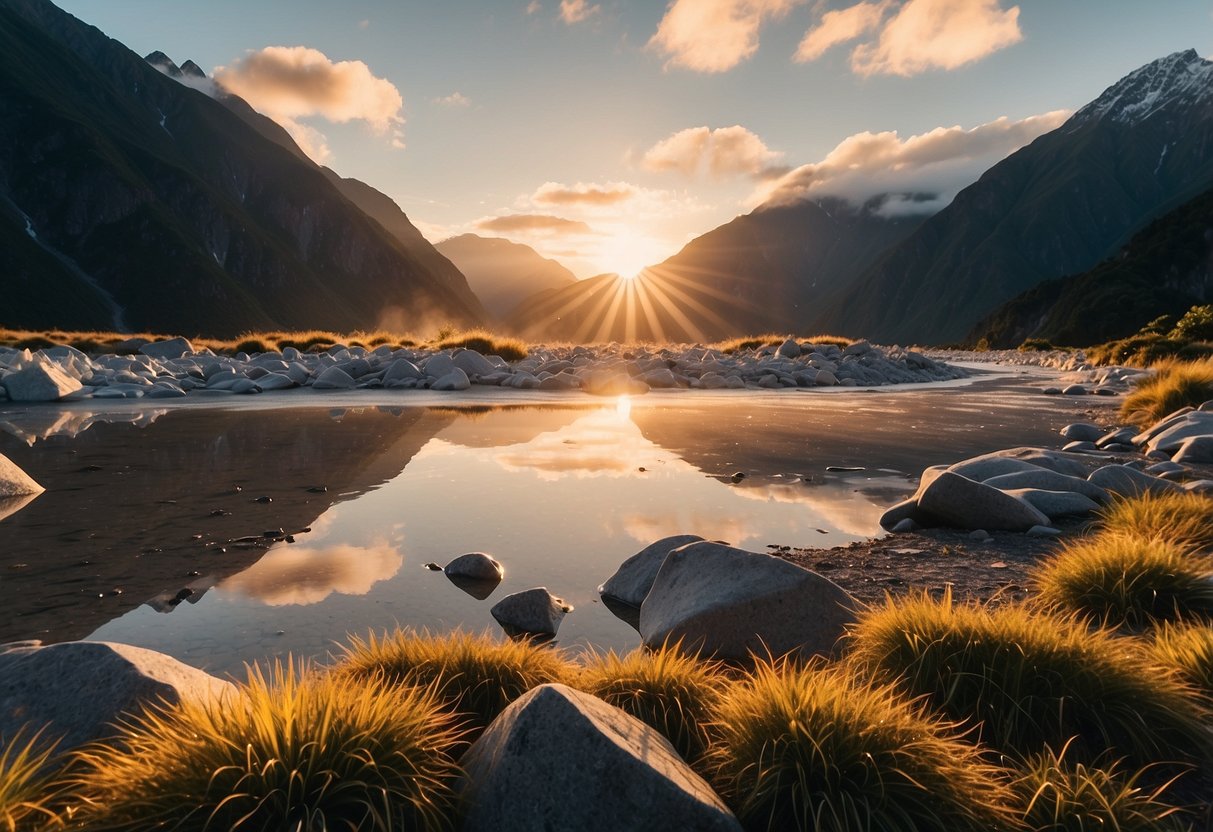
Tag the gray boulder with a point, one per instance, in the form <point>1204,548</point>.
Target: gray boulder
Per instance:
<point>634,577</point>
<point>1055,503</point>
<point>79,688</point>
<point>1050,481</point>
<point>14,482</point>
<point>982,468</point>
<point>1128,482</point>
<point>438,365</point>
<point>1082,432</point>
<point>334,378</point>
<point>473,363</point>
<point>732,604</point>
<point>475,566</point>
<point>42,381</point>
<point>1195,450</point>
<point>170,348</point>
<point>532,612</point>
<point>965,504</point>
<point>401,370</point>
<point>560,759</point>
<point>456,379</point>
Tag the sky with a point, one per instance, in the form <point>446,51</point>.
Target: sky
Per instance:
<point>609,133</point>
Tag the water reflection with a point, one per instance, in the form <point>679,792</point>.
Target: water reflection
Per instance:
<point>301,575</point>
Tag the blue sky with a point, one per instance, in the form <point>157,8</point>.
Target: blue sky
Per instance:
<point>498,99</point>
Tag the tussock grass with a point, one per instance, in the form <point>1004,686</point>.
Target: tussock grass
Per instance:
<point>1189,649</point>
<point>26,787</point>
<point>484,342</point>
<point>472,675</point>
<point>1128,581</point>
<point>1185,519</point>
<point>1173,385</point>
<point>1024,679</point>
<point>811,748</point>
<point>1059,797</point>
<point>296,750</point>
<point>774,339</point>
<point>666,689</point>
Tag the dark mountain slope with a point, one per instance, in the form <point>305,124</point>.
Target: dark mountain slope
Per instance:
<point>503,273</point>
<point>173,208</point>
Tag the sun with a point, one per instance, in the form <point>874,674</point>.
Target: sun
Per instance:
<point>628,252</point>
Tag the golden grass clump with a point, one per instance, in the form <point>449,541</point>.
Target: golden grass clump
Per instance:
<point>26,788</point>
<point>483,342</point>
<point>1025,679</point>
<point>1060,797</point>
<point>1185,519</point>
<point>1189,649</point>
<point>1127,581</point>
<point>472,675</point>
<point>811,748</point>
<point>296,750</point>
<point>665,689</point>
<point>1173,385</point>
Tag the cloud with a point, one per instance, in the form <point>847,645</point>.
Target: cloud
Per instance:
<point>534,223</point>
<point>455,99</point>
<point>303,575</point>
<point>940,162</point>
<point>937,34</point>
<point>557,193</point>
<point>840,26</point>
<point>533,7</point>
<point>714,35</point>
<point>575,11</point>
<point>288,83</point>
<point>725,151</point>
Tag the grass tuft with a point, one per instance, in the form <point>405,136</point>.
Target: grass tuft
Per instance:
<point>1173,385</point>
<point>1189,649</point>
<point>666,689</point>
<point>296,750</point>
<point>1127,581</point>
<point>472,675</point>
<point>483,342</point>
<point>1060,797</point>
<point>1025,679</point>
<point>1185,519</point>
<point>810,748</point>
<point>26,789</point>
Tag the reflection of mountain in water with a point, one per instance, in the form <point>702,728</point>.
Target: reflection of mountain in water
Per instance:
<point>127,515</point>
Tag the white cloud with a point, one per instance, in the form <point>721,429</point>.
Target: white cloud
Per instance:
<point>840,26</point>
<point>301,575</point>
<point>938,162</point>
<point>288,83</point>
<point>576,11</point>
<point>938,34</point>
<point>533,224</point>
<point>455,99</point>
<point>533,7</point>
<point>725,151</point>
<point>583,193</point>
<point>714,35</point>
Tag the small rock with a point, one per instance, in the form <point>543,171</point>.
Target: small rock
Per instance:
<point>1044,531</point>
<point>634,577</point>
<point>1074,390</point>
<point>531,612</point>
<point>904,526</point>
<point>475,566</point>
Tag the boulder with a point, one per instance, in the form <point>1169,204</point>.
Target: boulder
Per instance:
<point>966,504</point>
<point>1195,450</point>
<point>634,577</point>
<point>732,604</point>
<point>80,688</point>
<point>334,378</point>
<point>14,482</point>
<point>1082,432</point>
<point>438,365</point>
<point>894,515</point>
<point>1074,465</point>
<point>402,369</point>
<point>456,379</point>
<point>275,381</point>
<point>1120,436</point>
<point>1050,481</point>
<point>532,612</point>
<point>789,349</point>
<point>1128,482</point>
<point>170,348</point>
<point>982,468</point>
<point>1169,440</point>
<point>1055,503</point>
<point>472,363</point>
<point>558,759</point>
<point>42,381</point>
<point>475,566</point>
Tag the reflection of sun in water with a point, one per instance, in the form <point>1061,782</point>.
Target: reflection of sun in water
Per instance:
<point>628,253</point>
<point>623,408</point>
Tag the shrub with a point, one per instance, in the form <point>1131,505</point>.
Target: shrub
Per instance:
<point>252,344</point>
<point>295,751</point>
<point>1185,519</point>
<point>1059,797</point>
<point>1189,649</point>
<point>35,342</point>
<point>485,343</point>
<point>472,675</point>
<point>1035,345</point>
<point>26,790</point>
<point>1024,679</point>
<point>672,692</point>
<point>1159,326</point>
<point>1195,325</point>
<point>1173,385</point>
<point>811,748</point>
<point>1127,581</point>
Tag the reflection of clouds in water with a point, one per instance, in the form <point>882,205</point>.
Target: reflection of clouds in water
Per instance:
<point>302,575</point>
<point>646,528</point>
<point>839,506</point>
<point>604,443</point>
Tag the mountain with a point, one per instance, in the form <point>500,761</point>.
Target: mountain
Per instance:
<point>1055,207</point>
<point>502,273</point>
<point>1165,269</point>
<point>769,270</point>
<point>131,201</point>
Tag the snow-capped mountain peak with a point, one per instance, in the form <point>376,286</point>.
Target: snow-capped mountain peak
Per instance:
<point>1179,76</point>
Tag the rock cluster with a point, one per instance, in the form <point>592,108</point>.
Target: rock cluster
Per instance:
<point>173,368</point>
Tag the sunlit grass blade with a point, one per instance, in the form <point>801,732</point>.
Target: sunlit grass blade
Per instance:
<point>1173,385</point>
<point>1178,518</point>
<point>27,787</point>
<point>1189,649</point>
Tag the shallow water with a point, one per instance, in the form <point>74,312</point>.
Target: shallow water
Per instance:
<point>132,541</point>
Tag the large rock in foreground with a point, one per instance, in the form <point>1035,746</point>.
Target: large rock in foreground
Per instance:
<point>40,382</point>
<point>732,604</point>
<point>78,689</point>
<point>558,758</point>
<point>634,577</point>
<point>14,482</point>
